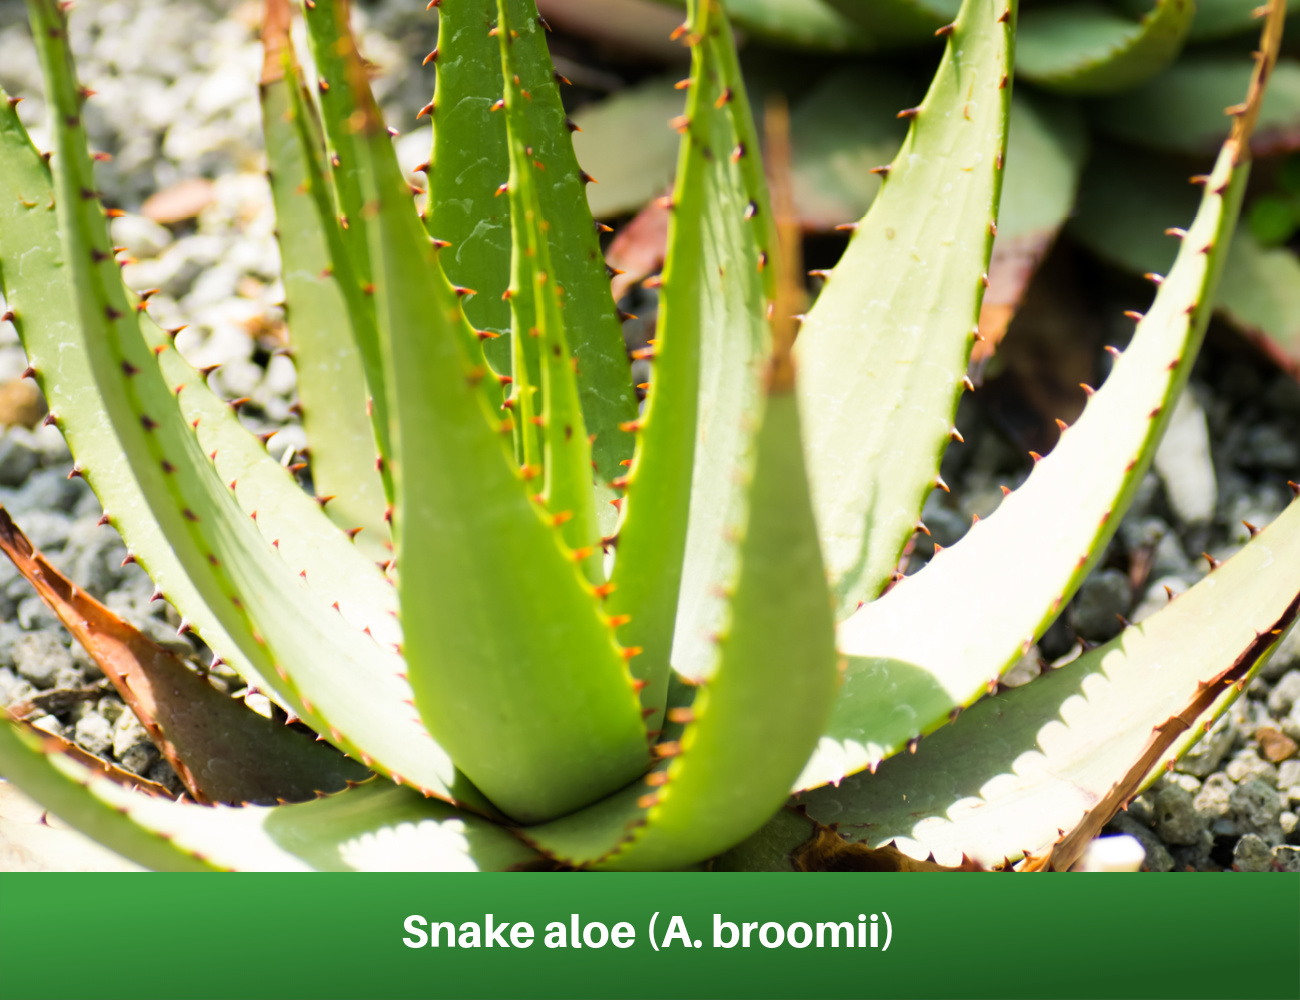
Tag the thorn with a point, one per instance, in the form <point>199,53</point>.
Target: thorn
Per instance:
<point>908,113</point>
<point>1006,490</point>
<point>1175,231</point>
<point>631,651</point>
<point>967,384</point>
<point>1062,425</point>
<point>183,627</point>
<point>1124,621</point>
<point>1155,279</point>
<point>1036,457</point>
<point>946,30</point>
<point>938,481</point>
<point>1251,528</point>
<point>1087,389</point>
<point>913,743</point>
<point>670,749</point>
<point>129,560</point>
<point>1169,592</point>
<point>1134,315</point>
<point>1214,563</point>
<point>430,57</point>
<point>1114,352</point>
<point>103,520</point>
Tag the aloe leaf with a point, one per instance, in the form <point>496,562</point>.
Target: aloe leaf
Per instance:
<point>39,295</point>
<point>466,175</point>
<point>895,22</point>
<point>1085,47</point>
<point>540,316</point>
<point>63,787</point>
<point>1025,547</point>
<point>320,310</point>
<point>303,652</point>
<point>1046,147</point>
<point>884,350</point>
<point>350,252</point>
<point>626,142</point>
<point>370,827</point>
<point>1127,199</point>
<point>842,130</point>
<point>222,751</point>
<point>811,24</point>
<point>1075,744</point>
<point>512,662</point>
<point>1223,18</point>
<point>1181,110</point>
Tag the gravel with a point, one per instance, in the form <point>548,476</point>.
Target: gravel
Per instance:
<point>176,108</point>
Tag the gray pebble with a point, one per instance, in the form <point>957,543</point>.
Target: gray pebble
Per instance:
<point>94,733</point>
<point>18,457</point>
<point>1257,808</point>
<point>1102,597</point>
<point>35,616</point>
<point>1285,693</point>
<point>1247,765</point>
<point>41,657</point>
<point>1252,855</point>
<point>1212,802</point>
<point>1285,657</point>
<point>1288,774</point>
<point>1287,857</point>
<point>1209,751</point>
<point>1177,819</point>
<point>1270,447</point>
<point>110,708</point>
<point>1158,857</point>
<point>14,688</point>
<point>47,724</point>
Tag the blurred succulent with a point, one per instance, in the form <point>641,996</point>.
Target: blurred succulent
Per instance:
<point>635,672</point>
<point>1116,103</point>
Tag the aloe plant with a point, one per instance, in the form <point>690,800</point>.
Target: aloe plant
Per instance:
<point>596,637</point>
<point>1105,89</point>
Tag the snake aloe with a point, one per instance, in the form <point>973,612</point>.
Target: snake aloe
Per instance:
<point>561,630</point>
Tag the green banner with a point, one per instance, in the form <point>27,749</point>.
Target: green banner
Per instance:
<point>655,935</point>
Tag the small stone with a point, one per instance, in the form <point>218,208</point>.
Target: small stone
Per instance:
<point>1183,463</point>
<point>1143,809</point>
<point>94,733</point>
<point>1247,765</point>
<point>1288,774</point>
<point>35,616</point>
<point>1274,745</point>
<point>17,459</point>
<point>1287,858</point>
<point>1285,657</point>
<point>1102,598</point>
<point>162,773</point>
<point>1158,857</point>
<point>131,744</point>
<point>1257,808</point>
<point>1213,800</point>
<point>1204,758</point>
<point>1025,669</point>
<point>47,724</point>
<point>1252,855</point>
<point>1285,693</point>
<point>40,657</point>
<point>1269,447</point>
<point>1177,820</point>
<point>110,708</point>
<point>1287,820</point>
<point>21,403</point>
<point>142,237</point>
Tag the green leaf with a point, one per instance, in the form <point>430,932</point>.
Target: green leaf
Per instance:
<point>1182,110</point>
<point>63,787</point>
<point>842,129</point>
<point>338,104</point>
<point>810,24</point>
<point>331,379</point>
<point>767,699</point>
<point>1037,759</point>
<point>1125,202</point>
<point>539,318</point>
<point>300,650</point>
<point>1222,18</point>
<point>369,827</point>
<point>513,665</point>
<point>884,350</point>
<point>1005,582</point>
<point>626,143</point>
<point>1085,47</point>
<point>898,22</point>
<point>222,750</point>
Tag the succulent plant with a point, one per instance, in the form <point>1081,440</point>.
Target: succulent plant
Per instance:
<point>631,668</point>
<point>1115,104</point>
